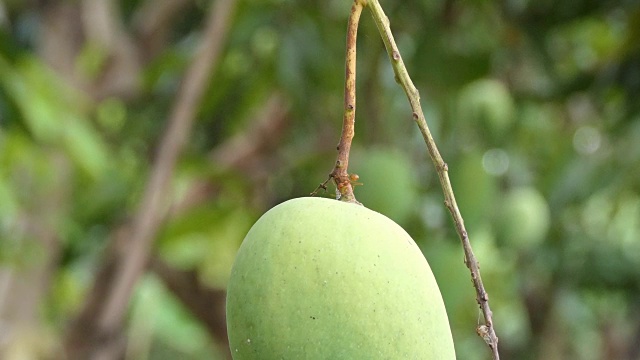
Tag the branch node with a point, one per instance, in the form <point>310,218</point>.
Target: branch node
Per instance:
<point>322,186</point>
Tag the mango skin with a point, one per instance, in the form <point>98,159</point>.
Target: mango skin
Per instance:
<point>318,278</point>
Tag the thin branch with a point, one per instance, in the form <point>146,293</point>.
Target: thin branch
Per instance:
<point>486,331</point>
<point>153,207</point>
<point>339,174</point>
<point>245,153</point>
<point>263,133</point>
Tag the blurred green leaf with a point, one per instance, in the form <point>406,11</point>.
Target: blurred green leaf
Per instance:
<point>53,113</point>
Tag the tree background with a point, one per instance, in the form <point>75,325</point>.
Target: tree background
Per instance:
<point>140,139</point>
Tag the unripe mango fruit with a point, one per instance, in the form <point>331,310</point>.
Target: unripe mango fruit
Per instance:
<point>318,278</point>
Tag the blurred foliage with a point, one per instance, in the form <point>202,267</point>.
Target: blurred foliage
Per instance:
<point>534,105</point>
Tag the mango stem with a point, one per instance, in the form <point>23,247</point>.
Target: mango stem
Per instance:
<point>340,174</point>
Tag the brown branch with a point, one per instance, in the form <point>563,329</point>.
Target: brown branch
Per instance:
<point>486,331</point>
<point>340,174</point>
<point>206,304</point>
<point>83,334</point>
<point>153,208</point>
<point>264,132</point>
<point>246,152</point>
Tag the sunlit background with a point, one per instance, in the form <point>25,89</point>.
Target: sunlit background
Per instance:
<point>535,106</point>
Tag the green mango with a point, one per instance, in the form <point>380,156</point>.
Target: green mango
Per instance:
<point>525,218</point>
<point>317,278</point>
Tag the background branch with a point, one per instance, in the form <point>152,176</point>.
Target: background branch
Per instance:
<point>486,331</point>
<point>153,207</point>
<point>205,303</point>
<point>247,152</point>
